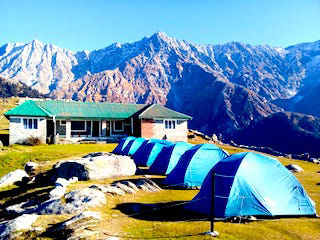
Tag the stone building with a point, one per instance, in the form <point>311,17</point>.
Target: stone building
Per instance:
<point>78,121</point>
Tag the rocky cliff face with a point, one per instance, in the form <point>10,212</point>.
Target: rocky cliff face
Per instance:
<point>224,87</point>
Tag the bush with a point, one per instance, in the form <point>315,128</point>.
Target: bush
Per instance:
<point>34,141</point>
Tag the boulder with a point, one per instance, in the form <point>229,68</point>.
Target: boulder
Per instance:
<point>57,192</point>
<point>22,207</point>
<point>147,185</point>
<point>77,227</point>
<point>76,201</point>
<point>22,222</point>
<point>85,197</point>
<point>62,182</point>
<point>214,138</point>
<point>294,168</point>
<point>13,177</point>
<point>108,189</point>
<point>30,167</point>
<point>124,188</point>
<point>95,167</point>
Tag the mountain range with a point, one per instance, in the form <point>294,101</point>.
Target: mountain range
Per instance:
<point>227,88</point>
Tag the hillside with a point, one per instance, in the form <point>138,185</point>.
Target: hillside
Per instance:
<point>225,87</point>
<point>285,132</point>
<point>9,88</point>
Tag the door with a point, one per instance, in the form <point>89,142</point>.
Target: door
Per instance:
<point>96,129</point>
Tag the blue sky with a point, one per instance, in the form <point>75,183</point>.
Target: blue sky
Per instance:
<point>94,24</point>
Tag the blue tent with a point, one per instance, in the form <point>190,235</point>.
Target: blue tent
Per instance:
<point>252,184</point>
<point>122,144</point>
<point>139,151</point>
<point>149,153</point>
<point>133,146</point>
<point>194,165</point>
<point>168,158</point>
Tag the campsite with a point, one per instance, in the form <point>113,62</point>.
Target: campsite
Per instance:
<point>146,214</point>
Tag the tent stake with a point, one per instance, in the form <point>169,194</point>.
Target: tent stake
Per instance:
<point>212,232</point>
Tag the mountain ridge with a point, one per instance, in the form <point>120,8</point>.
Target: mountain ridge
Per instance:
<point>225,87</point>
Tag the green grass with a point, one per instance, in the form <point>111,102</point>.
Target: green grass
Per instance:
<point>5,105</point>
<point>16,156</point>
<point>167,223</point>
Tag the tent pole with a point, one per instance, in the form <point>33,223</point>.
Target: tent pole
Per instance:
<point>212,204</point>
<point>212,232</point>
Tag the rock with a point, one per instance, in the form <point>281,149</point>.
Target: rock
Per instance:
<point>22,207</point>
<point>1,144</point>
<point>130,184</point>
<point>85,197</point>
<point>95,167</point>
<point>77,227</point>
<point>73,180</point>
<point>124,188</point>
<point>62,182</point>
<point>147,185</point>
<point>314,160</point>
<point>30,167</point>
<point>109,189</point>
<point>13,177</point>
<point>76,201</point>
<point>57,192</point>
<point>86,214</point>
<point>214,138</point>
<point>22,222</point>
<point>294,168</point>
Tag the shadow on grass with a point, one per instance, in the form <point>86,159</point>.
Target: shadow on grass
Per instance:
<point>167,211</point>
<point>4,138</point>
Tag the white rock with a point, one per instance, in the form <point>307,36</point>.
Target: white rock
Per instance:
<point>57,192</point>
<point>13,177</point>
<point>124,188</point>
<point>73,180</point>
<point>294,168</point>
<point>86,197</point>
<point>100,166</point>
<point>62,182</point>
<point>20,223</point>
<point>109,189</point>
<point>29,167</point>
<point>85,214</point>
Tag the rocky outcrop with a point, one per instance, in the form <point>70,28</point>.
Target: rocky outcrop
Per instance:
<point>75,202</point>
<point>23,222</point>
<point>94,167</point>
<point>77,227</point>
<point>294,168</point>
<point>13,177</point>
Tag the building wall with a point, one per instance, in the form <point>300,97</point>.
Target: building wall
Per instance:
<point>156,129</point>
<point>18,134</point>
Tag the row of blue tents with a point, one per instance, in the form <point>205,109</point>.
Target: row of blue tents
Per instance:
<point>244,183</point>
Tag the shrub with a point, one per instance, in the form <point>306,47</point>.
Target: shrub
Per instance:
<point>34,141</point>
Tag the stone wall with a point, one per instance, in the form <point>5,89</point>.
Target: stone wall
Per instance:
<point>18,134</point>
<point>156,129</point>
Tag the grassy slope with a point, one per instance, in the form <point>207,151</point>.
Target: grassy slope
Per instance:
<point>5,105</point>
<point>116,222</point>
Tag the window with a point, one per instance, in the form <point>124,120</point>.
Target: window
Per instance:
<point>118,126</point>
<point>79,126</point>
<point>62,123</point>
<point>170,124</point>
<point>35,123</point>
<point>30,123</point>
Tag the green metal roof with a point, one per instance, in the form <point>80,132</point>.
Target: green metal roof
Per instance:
<point>159,111</point>
<point>92,110</point>
<point>28,108</point>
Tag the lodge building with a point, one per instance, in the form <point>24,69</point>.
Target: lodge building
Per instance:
<point>81,121</point>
